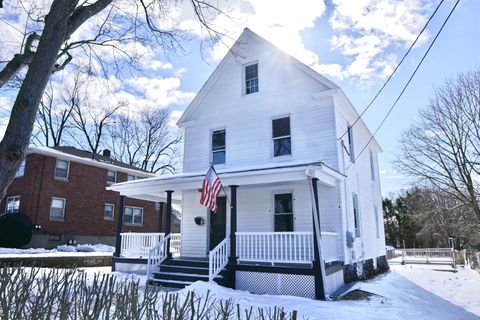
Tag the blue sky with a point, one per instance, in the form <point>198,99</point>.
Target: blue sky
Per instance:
<point>356,44</point>
<point>456,50</point>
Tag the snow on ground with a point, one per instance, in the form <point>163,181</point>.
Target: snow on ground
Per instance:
<point>60,251</point>
<point>406,292</point>
<point>412,291</point>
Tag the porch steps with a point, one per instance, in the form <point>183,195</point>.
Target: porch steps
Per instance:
<point>181,272</point>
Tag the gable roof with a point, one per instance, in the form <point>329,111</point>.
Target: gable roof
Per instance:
<point>229,56</point>
<point>86,157</point>
<point>330,85</point>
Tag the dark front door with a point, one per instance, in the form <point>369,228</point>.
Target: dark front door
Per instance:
<point>218,223</point>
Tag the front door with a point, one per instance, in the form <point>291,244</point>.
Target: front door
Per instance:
<point>218,223</point>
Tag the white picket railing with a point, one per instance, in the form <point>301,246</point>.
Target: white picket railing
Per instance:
<point>136,244</point>
<point>157,255</point>
<point>175,243</point>
<point>330,246</point>
<point>428,255</point>
<point>218,258</point>
<point>284,247</point>
<point>275,247</point>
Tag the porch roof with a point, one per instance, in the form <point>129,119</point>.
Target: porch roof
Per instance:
<point>153,189</point>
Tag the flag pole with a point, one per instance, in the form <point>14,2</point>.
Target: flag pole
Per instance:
<point>223,189</point>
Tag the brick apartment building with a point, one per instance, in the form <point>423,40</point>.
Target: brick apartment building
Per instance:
<point>63,190</point>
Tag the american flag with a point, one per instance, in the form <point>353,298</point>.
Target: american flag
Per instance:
<point>210,189</point>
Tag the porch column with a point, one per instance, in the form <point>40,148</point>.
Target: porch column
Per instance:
<point>168,220</point>
<point>317,263</point>
<point>232,260</point>
<point>160,217</point>
<point>118,243</point>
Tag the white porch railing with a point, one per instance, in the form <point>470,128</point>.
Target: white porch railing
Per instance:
<point>218,258</point>
<point>175,243</point>
<point>275,247</point>
<point>284,247</point>
<point>135,244</point>
<point>157,254</point>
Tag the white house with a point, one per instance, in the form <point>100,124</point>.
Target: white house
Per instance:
<point>286,145</point>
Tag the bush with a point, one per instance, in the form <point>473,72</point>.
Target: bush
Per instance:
<point>57,294</point>
<point>15,230</point>
<point>382,264</point>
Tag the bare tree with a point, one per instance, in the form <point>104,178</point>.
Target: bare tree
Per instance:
<point>439,216</point>
<point>442,148</point>
<point>54,50</point>
<point>55,111</point>
<point>91,122</point>
<point>146,141</point>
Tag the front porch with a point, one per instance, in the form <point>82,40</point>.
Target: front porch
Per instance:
<point>276,233</point>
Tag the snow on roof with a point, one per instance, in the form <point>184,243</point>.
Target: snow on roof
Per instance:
<point>236,170</point>
<point>88,161</point>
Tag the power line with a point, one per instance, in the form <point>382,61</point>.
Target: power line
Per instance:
<point>394,70</point>
<point>410,79</point>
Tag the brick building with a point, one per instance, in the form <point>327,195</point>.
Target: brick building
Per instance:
<point>63,190</point>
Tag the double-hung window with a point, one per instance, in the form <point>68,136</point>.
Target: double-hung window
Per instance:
<point>57,209</point>
<point>218,147</point>
<point>377,223</point>
<point>372,165</point>
<point>251,78</point>
<point>21,170</point>
<point>134,215</point>
<point>351,149</point>
<point>356,214</point>
<point>282,144</point>
<point>61,169</point>
<point>283,217</point>
<point>131,177</point>
<point>12,204</point>
<point>111,176</point>
<point>108,211</point>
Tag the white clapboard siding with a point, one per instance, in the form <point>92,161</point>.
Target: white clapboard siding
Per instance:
<point>284,90</point>
<point>359,180</point>
<point>194,237</point>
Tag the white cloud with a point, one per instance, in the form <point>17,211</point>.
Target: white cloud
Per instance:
<point>159,65</point>
<point>161,92</point>
<point>368,32</point>
<point>278,21</point>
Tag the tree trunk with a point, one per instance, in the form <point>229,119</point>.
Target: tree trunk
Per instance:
<point>20,126</point>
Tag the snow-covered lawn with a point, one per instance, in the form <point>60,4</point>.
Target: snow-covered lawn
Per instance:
<point>60,251</point>
<point>406,292</point>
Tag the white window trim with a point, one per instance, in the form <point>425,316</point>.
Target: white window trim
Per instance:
<point>282,191</point>
<point>244,84</point>
<point>351,143</point>
<point>356,205</point>
<point>113,211</point>
<point>211,146</point>
<point>24,164</point>
<point>135,224</point>
<point>128,175</point>
<point>106,177</point>
<point>272,144</point>
<point>372,166</point>
<point>10,197</point>
<point>63,211</point>
<point>55,171</point>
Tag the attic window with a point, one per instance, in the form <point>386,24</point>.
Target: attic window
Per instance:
<point>251,78</point>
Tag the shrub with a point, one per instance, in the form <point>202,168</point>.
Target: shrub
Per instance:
<point>15,230</point>
<point>59,294</point>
